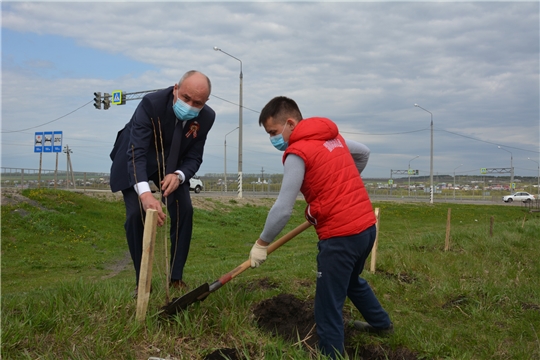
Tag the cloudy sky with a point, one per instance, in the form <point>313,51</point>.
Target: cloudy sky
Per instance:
<point>473,65</point>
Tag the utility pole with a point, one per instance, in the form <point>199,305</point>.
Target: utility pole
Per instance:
<point>68,151</point>
<point>262,174</point>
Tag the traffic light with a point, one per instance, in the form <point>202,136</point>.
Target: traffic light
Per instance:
<point>106,101</point>
<point>97,100</point>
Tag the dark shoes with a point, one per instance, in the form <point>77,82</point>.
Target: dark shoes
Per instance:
<point>178,284</point>
<point>365,327</point>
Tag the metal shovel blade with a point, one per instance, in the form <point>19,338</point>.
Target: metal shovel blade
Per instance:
<point>181,303</point>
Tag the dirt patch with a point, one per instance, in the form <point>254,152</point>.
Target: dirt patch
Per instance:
<point>530,306</point>
<point>117,266</point>
<point>260,284</point>
<point>11,196</point>
<point>204,201</point>
<point>293,319</point>
<point>457,301</point>
<point>287,316</point>
<point>401,277</point>
<point>213,201</point>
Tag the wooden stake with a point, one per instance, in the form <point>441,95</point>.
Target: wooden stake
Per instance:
<point>491,222</point>
<point>523,223</point>
<point>447,240</point>
<point>375,245</point>
<point>145,276</point>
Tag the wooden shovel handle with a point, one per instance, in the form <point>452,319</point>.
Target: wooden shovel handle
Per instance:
<point>271,248</point>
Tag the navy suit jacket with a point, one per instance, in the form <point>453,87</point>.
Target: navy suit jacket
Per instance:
<point>137,153</point>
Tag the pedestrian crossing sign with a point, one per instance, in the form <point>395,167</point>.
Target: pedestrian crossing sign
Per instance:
<point>117,97</point>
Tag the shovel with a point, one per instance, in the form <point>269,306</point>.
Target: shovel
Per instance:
<point>204,290</point>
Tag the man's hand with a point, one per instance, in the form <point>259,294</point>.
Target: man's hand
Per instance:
<point>148,201</point>
<point>170,183</point>
<point>258,253</point>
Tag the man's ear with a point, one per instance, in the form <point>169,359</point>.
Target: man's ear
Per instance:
<point>292,122</point>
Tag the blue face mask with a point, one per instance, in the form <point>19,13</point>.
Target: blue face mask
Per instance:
<point>183,111</point>
<point>278,141</point>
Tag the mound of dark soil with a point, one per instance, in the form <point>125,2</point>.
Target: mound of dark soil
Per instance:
<point>293,319</point>
<point>287,316</point>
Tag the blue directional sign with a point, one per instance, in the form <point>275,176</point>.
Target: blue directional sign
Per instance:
<point>57,141</point>
<point>38,142</point>
<point>47,141</point>
<point>116,97</point>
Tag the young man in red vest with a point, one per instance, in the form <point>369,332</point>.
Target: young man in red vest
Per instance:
<point>326,169</point>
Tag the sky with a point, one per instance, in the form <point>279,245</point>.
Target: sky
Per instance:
<point>473,66</point>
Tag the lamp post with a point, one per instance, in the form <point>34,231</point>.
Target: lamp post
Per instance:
<point>225,158</point>
<point>538,185</point>
<point>409,172</point>
<point>455,180</point>
<point>511,168</point>
<point>240,107</point>
<point>431,157</point>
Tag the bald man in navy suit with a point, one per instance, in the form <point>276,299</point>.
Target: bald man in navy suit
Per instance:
<point>163,142</point>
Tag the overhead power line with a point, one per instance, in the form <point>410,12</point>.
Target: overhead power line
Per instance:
<point>137,95</point>
<point>33,127</point>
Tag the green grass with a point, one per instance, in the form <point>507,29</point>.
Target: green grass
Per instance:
<point>479,300</point>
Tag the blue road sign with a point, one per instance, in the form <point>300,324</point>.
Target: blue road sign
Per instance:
<point>47,141</point>
<point>38,142</point>
<point>57,141</point>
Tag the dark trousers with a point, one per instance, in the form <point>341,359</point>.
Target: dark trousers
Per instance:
<point>181,220</point>
<point>339,264</point>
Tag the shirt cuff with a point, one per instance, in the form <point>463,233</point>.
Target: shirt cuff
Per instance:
<point>141,187</point>
<point>182,176</point>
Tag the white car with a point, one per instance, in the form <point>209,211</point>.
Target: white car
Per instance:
<point>519,196</point>
<point>195,184</point>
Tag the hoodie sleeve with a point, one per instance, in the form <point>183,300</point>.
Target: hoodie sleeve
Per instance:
<point>360,154</point>
<point>280,213</point>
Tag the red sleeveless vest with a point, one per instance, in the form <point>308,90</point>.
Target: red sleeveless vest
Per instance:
<point>338,203</point>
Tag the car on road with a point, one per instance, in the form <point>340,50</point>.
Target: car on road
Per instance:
<point>519,196</point>
<point>195,184</point>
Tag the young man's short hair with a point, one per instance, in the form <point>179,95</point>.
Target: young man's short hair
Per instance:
<point>280,109</point>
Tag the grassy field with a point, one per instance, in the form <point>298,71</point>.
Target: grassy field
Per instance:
<point>67,284</point>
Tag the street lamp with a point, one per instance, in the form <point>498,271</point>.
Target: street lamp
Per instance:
<point>455,181</point>
<point>511,168</point>
<point>409,172</point>
<point>240,107</point>
<point>225,158</point>
<point>431,156</point>
<point>538,185</point>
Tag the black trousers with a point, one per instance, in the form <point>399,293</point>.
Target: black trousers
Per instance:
<point>181,221</point>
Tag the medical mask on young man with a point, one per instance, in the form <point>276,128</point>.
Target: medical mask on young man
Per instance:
<point>278,141</point>
<point>183,111</point>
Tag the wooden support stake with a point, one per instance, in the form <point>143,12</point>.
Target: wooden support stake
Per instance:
<point>375,245</point>
<point>523,223</point>
<point>145,276</point>
<point>491,222</point>
<point>448,221</point>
